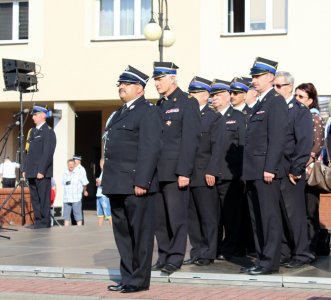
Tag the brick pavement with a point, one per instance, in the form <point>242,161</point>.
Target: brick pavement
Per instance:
<point>61,288</point>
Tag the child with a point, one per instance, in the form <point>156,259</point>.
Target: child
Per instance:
<point>103,204</point>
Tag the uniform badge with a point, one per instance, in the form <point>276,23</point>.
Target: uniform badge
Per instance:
<point>290,105</point>
<point>231,122</point>
<point>173,110</point>
<point>168,123</point>
<point>260,112</point>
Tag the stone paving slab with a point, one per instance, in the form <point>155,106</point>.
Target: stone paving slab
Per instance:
<point>89,252</point>
<point>49,289</point>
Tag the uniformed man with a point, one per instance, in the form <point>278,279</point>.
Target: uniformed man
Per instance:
<point>263,166</point>
<point>204,203</point>
<point>243,98</point>
<point>295,246</point>
<point>230,186</point>
<point>132,148</point>
<point>38,165</point>
<point>238,90</point>
<point>251,97</point>
<point>180,140</point>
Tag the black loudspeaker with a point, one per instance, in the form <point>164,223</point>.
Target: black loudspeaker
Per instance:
<point>12,65</point>
<point>18,81</point>
<point>19,75</point>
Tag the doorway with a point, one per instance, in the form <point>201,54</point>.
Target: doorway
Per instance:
<point>88,145</point>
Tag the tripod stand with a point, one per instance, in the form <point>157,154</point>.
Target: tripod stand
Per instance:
<point>21,182</point>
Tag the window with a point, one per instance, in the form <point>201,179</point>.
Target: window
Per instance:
<point>14,20</point>
<point>257,16</point>
<point>122,18</point>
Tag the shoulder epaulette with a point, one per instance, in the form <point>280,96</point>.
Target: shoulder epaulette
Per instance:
<point>148,103</point>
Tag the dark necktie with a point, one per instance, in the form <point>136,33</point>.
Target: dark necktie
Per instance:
<point>163,101</point>
<point>123,109</point>
<point>120,112</point>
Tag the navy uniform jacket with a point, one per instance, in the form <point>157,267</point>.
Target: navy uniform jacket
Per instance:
<point>132,148</point>
<point>266,137</point>
<point>299,139</point>
<point>39,152</point>
<point>181,118</point>
<point>208,157</point>
<point>247,111</point>
<point>233,146</point>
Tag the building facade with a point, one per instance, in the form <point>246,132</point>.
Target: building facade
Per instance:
<point>81,46</point>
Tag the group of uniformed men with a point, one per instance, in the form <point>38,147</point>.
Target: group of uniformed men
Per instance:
<point>189,165</point>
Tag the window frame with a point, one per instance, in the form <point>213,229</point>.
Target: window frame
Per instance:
<point>138,35</point>
<point>15,25</point>
<point>248,32</point>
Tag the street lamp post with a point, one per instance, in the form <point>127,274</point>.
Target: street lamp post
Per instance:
<point>154,31</point>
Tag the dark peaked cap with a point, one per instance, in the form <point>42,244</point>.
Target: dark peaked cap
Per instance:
<point>262,66</point>
<point>133,75</point>
<point>199,84</point>
<point>164,68</point>
<point>219,86</point>
<point>37,108</point>
<point>240,84</point>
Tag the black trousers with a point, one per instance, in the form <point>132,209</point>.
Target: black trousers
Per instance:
<point>8,182</point>
<point>231,195</point>
<point>295,239</point>
<point>246,239</point>
<point>171,222</point>
<point>203,221</point>
<point>40,193</point>
<point>133,227</point>
<point>264,207</point>
<point>312,196</point>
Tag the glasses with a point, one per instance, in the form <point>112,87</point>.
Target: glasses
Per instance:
<point>279,86</point>
<point>235,93</point>
<point>300,96</point>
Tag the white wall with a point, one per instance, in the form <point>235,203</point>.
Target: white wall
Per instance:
<point>304,50</point>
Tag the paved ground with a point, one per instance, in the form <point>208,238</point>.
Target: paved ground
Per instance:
<point>45,288</point>
<point>79,263</point>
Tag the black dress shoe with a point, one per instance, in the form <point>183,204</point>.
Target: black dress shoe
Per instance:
<point>247,269</point>
<point>260,271</point>
<point>115,287</point>
<point>203,262</point>
<point>223,257</point>
<point>133,289</point>
<point>169,268</point>
<point>157,266</point>
<point>295,263</point>
<point>190,261</point>
<point>284,261</point>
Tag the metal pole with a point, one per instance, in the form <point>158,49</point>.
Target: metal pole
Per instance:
<point>21,141</point>
<point>161,25</point>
